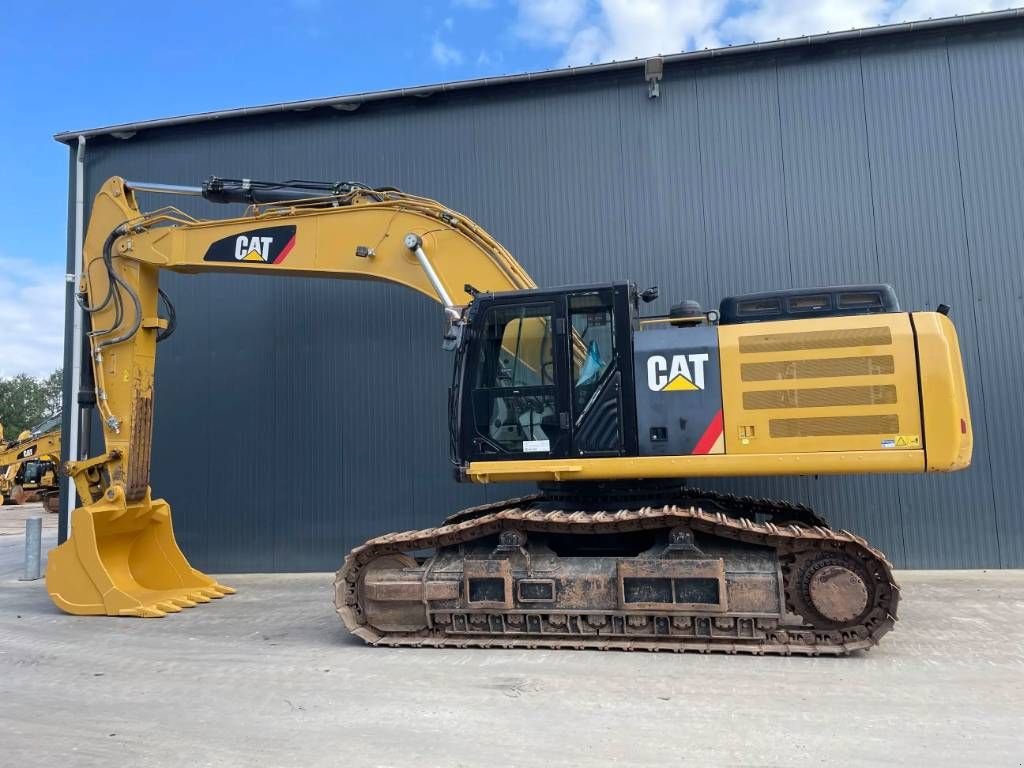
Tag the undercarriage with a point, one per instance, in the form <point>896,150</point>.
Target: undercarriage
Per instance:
<point>702,572</point>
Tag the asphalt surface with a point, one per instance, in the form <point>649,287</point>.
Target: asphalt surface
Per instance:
<point>269,677</point>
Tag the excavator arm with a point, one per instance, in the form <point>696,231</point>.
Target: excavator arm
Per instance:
<point>121,557</point>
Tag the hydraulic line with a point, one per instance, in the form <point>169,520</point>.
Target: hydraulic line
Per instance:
<point>172,317</point>
<point>110,286</point>
<point>136,323</point>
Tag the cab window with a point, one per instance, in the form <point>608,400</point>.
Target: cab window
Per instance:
<point>514,400</point>
<point>592,345</point>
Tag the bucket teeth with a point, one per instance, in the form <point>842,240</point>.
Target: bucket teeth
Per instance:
<point>144,612</point>
<point>223,589</point>
<point>198,597</point>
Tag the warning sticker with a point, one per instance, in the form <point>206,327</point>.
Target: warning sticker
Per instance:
<point>902,441</point>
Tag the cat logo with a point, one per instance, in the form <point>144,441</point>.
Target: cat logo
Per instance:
<point>255,248</point>
<point>267,245</point>
<point>683,373</point>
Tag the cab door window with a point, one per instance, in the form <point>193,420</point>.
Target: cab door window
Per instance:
<point>596,376</point>
<point>593,345</point>
<point>515,404</point>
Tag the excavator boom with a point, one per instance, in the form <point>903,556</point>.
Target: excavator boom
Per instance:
<point>121,557</point>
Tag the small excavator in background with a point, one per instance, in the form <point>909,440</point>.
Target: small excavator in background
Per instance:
<point>574,388</point>
<point>29,465</point>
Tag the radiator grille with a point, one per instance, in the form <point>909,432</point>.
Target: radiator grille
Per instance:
<point>825,426</point>
<point>842,337</point>
<point>819,398</point>
<point>819,368</point>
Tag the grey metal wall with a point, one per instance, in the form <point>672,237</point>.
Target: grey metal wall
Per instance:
<point>297,417</point>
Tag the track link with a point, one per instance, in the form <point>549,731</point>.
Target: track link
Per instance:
<point>796,545</point>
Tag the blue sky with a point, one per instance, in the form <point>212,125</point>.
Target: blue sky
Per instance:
<point>71,65</point>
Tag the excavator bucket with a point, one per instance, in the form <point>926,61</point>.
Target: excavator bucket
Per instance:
<point>121,559</point>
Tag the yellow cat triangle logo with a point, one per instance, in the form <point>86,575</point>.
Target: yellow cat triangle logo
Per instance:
<point>679,384</point>
<point>255,248</point>
<point>664,375</point>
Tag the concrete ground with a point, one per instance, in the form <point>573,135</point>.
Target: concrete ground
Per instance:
<point>12,519</point>
<point>269,677</point>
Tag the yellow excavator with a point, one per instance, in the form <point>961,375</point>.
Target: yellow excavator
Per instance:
<point>29,465</point>
<point>606,409</point>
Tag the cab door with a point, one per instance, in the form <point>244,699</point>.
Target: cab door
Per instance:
<point>599,366</point>
<point>518,402</point>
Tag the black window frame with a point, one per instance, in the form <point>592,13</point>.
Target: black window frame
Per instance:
<point>481,370</point>
<point>471,446</point>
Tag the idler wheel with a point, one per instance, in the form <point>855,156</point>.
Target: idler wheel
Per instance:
<point>837,593</point>
<point>389,601</point>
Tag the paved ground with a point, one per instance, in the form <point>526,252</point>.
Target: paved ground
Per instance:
<point>12,518</point>
<point>268,677</point>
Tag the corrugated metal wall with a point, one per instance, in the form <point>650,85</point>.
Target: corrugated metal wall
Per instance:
<point>297,417</point>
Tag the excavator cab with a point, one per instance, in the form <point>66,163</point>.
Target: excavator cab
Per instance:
<point>545,374</point>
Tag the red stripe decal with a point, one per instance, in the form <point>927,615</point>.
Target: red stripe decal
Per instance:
<point>285,251</point>
<point>710,436</point>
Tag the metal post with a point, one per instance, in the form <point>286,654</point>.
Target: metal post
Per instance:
<point>72,409</point>
<point>33,547</point>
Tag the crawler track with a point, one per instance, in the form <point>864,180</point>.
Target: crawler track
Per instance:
<point>802,550</point>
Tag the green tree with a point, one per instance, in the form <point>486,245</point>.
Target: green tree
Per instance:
<point>25,401</point>
<point>53,390</point>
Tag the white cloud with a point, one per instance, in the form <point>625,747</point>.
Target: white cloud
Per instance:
<point>479,5</point>
<point>489,58</point>
<point>444,54</point>
<point>626,29</point>
<point>915,10</point>
<point>602,30</point>
<point>772,19</point>
<point>549,21</point>
<point>31,317</point>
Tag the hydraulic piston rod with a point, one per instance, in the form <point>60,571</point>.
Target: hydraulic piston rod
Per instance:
<point>165,189</point>
<point>415,244</point>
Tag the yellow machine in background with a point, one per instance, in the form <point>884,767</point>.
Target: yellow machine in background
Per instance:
<point>569,387</point>
<point>29,465</point>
